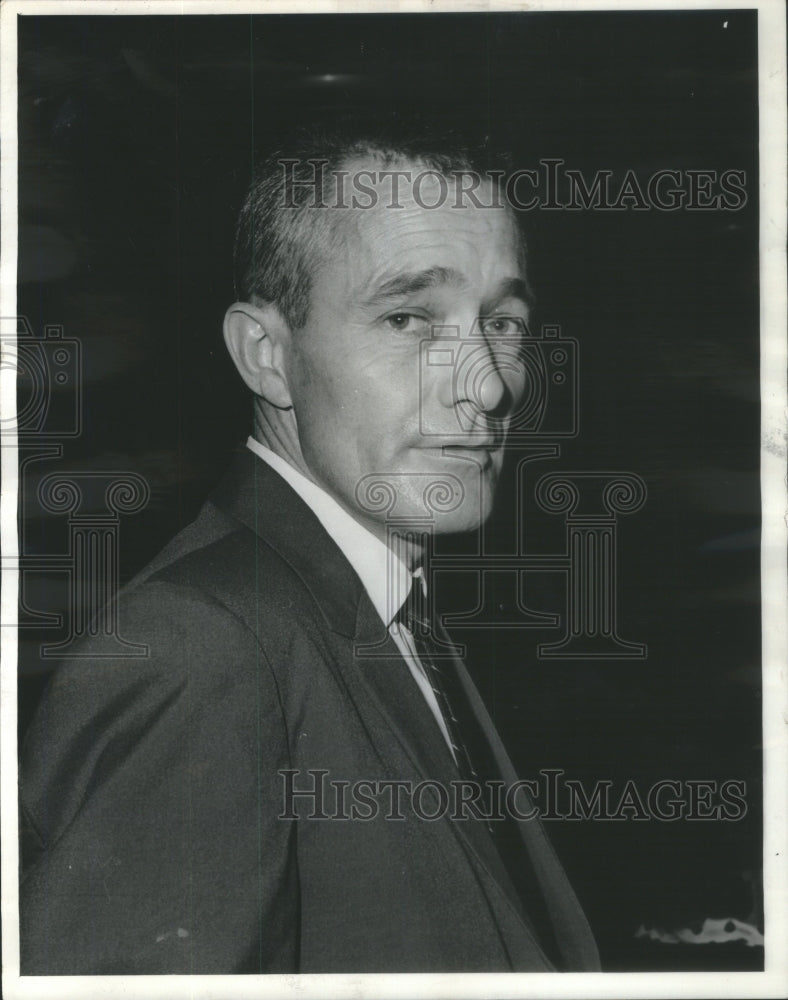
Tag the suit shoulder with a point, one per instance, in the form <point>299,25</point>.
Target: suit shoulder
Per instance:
<point>240,572</point>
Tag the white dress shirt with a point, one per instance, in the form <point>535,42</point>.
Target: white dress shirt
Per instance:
<point>386,579</point>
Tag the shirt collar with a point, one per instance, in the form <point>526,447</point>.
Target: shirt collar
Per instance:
<point>386,579</point>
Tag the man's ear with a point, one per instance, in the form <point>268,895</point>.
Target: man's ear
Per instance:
<point>256,337</point>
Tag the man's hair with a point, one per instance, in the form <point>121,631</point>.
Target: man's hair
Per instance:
<point>281,237</point>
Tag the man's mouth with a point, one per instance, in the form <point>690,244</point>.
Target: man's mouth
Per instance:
<point>480,452</point>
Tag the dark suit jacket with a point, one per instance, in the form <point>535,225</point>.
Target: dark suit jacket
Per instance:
<point>151,798</point>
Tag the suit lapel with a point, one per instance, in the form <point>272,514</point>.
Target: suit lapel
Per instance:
<point>573,933</point>
<point>387,679</point>
<point>379,667</point>
<point>257,496</point>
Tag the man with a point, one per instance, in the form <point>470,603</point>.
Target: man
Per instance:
<point>232,803</point>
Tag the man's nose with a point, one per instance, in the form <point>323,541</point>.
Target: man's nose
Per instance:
<point>490,389</point>
<point>478,378</point>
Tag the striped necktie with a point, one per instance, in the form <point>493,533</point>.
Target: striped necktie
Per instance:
<point>435,660</point>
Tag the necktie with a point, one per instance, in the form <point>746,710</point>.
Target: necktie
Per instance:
<point>433,655</point>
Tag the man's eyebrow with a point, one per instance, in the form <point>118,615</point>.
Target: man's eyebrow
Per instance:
<point>511,288</point>
<point>410,282</point>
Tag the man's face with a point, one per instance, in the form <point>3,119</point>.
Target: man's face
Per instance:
<point>405,373</point>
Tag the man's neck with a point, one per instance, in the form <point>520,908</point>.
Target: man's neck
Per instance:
<point>281,444</point>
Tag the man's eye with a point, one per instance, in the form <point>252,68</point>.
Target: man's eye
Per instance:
<point>503,326</point>
<point>407,322</point>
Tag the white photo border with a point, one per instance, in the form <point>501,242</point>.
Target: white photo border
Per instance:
<point>773,982</point>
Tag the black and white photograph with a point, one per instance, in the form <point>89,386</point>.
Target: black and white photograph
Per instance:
<point>394,585</point>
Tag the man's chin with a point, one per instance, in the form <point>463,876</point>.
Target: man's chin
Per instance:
<point>469,516</point>
<point>449,500</point>
<point>462,509</point>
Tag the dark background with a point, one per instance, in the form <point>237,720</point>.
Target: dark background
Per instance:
<point>136,139</point>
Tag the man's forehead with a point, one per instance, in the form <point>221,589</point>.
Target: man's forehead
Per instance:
<point>403,216</point>
<point>400,282</point>
<point>391,182</point>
